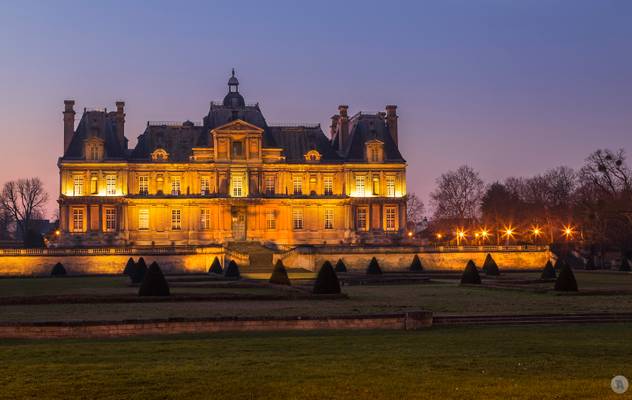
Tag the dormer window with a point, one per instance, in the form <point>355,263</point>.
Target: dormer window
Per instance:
<point>159,155</point>
<point>94,149</point>
<point>375,151</point>
<point>312,156</point>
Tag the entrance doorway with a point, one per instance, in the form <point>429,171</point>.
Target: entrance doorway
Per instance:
<point>238,215</point>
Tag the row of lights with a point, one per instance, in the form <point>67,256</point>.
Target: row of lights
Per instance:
<point>508,232</point>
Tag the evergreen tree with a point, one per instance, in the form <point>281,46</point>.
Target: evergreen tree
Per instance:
<point>279,274</point>
<point>559,263</point>
<point>416,266</point>
<point>374,267</point>
<point>340,266</point>
<point>154,282</point>
<point>129,267</point>
<point>566,280</point>
<point>327,280</point>
<point>549,271</point>
<point>232,271</point>
<point>58,270</point>
<point>490,267</point>
<point>216,267</point>
<point>138,273</point>
<point>470,274</point>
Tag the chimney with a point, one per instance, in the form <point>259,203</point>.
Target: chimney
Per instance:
<point>343,132</point>
<point>69,123</point>
<point>391,121</point>
<point>333,126</point>
<point>120,123</point>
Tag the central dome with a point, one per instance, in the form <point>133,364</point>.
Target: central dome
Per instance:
<point>233,99</point>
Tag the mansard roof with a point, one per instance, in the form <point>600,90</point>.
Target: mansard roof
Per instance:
<point>296,141</point>
<point>100,124</point>
<point>177,139</point>
<point>364,127</point>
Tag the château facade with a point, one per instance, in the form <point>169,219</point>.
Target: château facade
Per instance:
<point>231,177</point>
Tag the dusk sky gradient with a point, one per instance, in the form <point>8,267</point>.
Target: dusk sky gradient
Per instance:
<point>508,87</point>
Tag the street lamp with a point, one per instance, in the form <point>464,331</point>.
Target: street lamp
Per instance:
<point>536,231</point>
<point>568,231</point>
<point>508,233</point>
<point>460,235</point>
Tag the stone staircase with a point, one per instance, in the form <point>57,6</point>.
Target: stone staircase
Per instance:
<point>260,257</point>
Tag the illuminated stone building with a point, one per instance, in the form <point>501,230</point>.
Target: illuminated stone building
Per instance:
<point>230,178</point>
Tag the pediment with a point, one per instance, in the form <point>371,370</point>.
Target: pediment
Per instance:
<point>237,125</point>
<point>374,141</point>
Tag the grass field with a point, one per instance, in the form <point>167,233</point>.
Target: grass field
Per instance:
<point>444,297</point>
<point>543,362</point>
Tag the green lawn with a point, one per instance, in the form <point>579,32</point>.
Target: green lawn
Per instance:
<point>531,362</point>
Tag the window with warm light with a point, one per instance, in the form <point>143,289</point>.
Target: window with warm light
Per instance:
<point>270,220</point>
<point>297,218</point>
<point>94,185</point>
<point>238,149</point>
<point>77,185</point>
<point>205,219</point>
<point>143,219</point>
<point>328,185</point>
<point>110,185</point>
<point>390,186</point>
<point>238,186</point>
<point>110,219</point>
<point>297,183</point>
<point>205,185</point>
<point>360,185</point>
<point>175,185</point>
<point>176,220</point>
<point>375,186</point>
<point>361,219</point>
<point>269,184</point>
<point>390,217</point>
<point>77,220</point>
<point>329,218</point>
<point>143,184</point>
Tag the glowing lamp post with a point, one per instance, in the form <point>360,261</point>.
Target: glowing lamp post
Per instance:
<point>460,235</point>
<point>508,234</point>
<point>536,232</point>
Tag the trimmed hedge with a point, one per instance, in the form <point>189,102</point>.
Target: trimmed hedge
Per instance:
<point>374,267</point>
<point>490,267</point>
<point>129,267</point>
<point>548,272</point>
<point>566,281</point>
<point>58,270</point>
<point>416,265</point>
<point>216,267</point>
<point>327,280</point>
<point>154,282</point>
<point>340,266</point>
<point>470,274</point>
<point>232,271</point>
<point>279,275</point>
<point>139,271</point>
<point>625,264</point>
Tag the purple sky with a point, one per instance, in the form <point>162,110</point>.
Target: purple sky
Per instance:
<point>511,88</point>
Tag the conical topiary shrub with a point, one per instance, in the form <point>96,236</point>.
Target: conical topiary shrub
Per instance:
<point>559,263</point>
<point>216,267</point>
<point>138,273</point>
<point>625,265</point>
<point>566,280</point>
<point>129,267</point>
<point>416,266</point>
<point>374,267</point>
<point>279,274</point>
<point>548,272</point>
<point>232,271</point>
<point>327,280</point>
<point>154,282</point>
<point>340,266</point>
<point>470,274</point>
<point>490,267</point>
<point>58,270</point>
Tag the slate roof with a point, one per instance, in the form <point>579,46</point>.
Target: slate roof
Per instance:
<point>297,141</point>
<point>99,124</point>
<point>362,128</point>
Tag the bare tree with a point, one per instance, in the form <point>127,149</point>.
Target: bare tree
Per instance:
<point>414,209</point>
<point>24,201</point>
<point>458,194</point>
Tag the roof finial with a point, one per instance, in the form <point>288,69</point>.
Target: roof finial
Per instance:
<point>233,71</point>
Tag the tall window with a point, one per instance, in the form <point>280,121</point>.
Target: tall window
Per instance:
<point>205,185</point>
<point>360,185</point>
<point>77,185</point>
<point>375,185</point>
<point>77,220</point>
<point>361,219</point>
<point>375,155</point>
<point>297,218</point>
<point>143,219</point>
<point>391,218</point>
<point>329,218</point>
<point>110,219</point>
<point>176,220</point>
<point>297,182</point>
<point>270,220</point>
<point>205,219</point>
<point>238,186</point>
<point>94,152</point>
<point>328,185</point>
<point>175,186</point>
<point>110,185</point>
<point>143,185</point>
<point>238,149</point>
<point>94,185</point>
<point>390,186</point>
<point>269,184</point>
